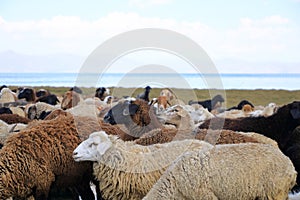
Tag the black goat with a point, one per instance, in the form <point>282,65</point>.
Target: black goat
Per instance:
<point>210,104</point>
<point>279,126</point>
<point>144,95</point>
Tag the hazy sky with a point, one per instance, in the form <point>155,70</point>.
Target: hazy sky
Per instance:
<point>254,36</point>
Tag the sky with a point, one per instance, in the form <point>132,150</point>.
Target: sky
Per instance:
<point>257,36</point>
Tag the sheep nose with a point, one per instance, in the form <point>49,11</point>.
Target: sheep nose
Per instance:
<point>75,153</point>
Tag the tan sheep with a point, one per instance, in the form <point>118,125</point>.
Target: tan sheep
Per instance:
<point>237,171</point>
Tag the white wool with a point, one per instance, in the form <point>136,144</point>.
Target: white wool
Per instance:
<point>7,96</point>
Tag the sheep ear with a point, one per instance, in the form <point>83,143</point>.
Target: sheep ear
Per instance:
<point>103,147</point>
<point>295,113</point>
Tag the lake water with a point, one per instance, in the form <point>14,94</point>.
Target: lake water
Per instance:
<point>226,81</point>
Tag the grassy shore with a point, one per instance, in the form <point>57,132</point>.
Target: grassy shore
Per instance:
<point>232,97</point>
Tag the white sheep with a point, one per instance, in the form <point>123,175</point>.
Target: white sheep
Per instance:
<point>269,110</point>
<point>9,129</point>
<point>33,111</point>
<point>178,116</point>
<point>7,96</point>
<point>17,110</point>
<point>126,170</point>
<point>236,171</point>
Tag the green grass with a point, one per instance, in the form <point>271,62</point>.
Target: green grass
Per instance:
<point>233,97</point>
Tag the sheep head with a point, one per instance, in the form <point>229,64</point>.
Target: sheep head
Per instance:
<point>126,112</point>
<point>70,100</point>
<point>93,148</point>
<point>174,115</point>
<point>295,109</point>
<point>28,94</point>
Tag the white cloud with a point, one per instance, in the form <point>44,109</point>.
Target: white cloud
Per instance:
<point>268,39</point>
<point>148,3</point>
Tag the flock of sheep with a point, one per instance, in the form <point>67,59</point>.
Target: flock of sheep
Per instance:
<point>142,148</point>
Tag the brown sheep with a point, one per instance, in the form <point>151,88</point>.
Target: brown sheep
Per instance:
<point>167,93</point>
<point>42,155</point>
<point>162,103</point>
<point>213,137</point>
<point>14,118</point>
<point>98,123</point>
<point>70,99</point>
<point>137,116</point>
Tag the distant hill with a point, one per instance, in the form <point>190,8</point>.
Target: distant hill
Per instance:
<point>11,61</point>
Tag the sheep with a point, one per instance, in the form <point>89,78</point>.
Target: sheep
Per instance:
<point>240,105</point>
<point>28,94</point>
<point>168,93</point>
<point>144,95</point>
<point>161,103</point>
<point>126,170</point>
<point>18,110</point>
<point>179,117</point>
<point>3,86</point>
<point>40,157</point>
<point>236,171</point>
<point>237,113</point>
<point>7,96</point>
<point>5,110</point>
<point>8,129</point>
<point>49,99</point>
<point>70,99</point>
<point>278,127</point>
<point>101,93</point>
<point>137,116</point>
<point>34,111</point>
<point>208,135</point>
<point>210,104</point>
<point>269,110</point>
<point>42,92</point>
<point>14,118</point>
<point>76,89</point>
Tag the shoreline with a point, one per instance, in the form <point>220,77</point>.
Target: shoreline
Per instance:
<point>232,96</point>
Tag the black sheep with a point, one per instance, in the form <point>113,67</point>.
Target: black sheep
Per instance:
<point>101,93</point>
<point>3,86</point>
<point>50,99</point>
<point>144,95</point>
<point>42,92</point>
<point>279,126</point>
<point>210,104</point>
<point>5,110</point>
<point>240,105</point>
<point>28,94</point>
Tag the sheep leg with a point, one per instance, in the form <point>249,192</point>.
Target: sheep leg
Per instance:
<point>85,192</point>
<point>43,186</point>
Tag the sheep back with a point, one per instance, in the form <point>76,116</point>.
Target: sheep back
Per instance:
<point>32,159</point>
<point>129,171</point>
<point>14,118</point>
<point>243,171</point>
